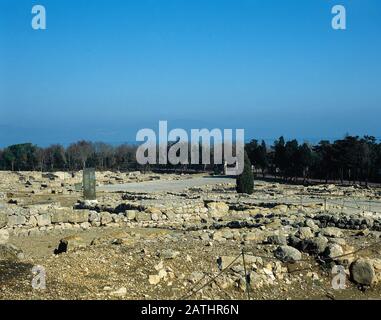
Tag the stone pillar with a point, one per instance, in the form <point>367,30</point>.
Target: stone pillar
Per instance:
<point>89,184</point>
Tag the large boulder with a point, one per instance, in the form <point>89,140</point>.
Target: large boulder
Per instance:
<point>105,218</point>
<point>217,209</point>
<point>143,216</point>
<point>79,216</point>
<point>311,224</point>
<point>362,272</point>
<point>254,235</point>
<point>315,245</point>
<point>82,216</point>
<point>44,220</point>
<point>287,254</point>
<point>304,233</point>
<point>95,218</point>
<point>16,220</point>
<point>10,252</point>
<point>61,215</point>
<point>333,251</point>
<point>277,239</point>
<point>131,214</point>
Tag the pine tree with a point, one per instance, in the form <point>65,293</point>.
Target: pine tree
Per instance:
<point>245,181</point>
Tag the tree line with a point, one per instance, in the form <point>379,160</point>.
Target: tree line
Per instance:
<point>353,158</point>
<point>23,157</point>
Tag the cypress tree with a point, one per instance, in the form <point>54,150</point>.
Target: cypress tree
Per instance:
<point>245,181</point>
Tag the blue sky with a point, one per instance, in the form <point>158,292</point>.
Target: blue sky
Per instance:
<point>105,69</point>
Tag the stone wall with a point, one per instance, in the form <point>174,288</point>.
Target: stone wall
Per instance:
<point>29,220</point>
<point>32,219</point>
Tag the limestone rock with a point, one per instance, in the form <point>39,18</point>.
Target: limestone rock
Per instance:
<point>79,216</point>
<point>16,220</point>
<point>287,254</point>
<point>205,237</point>
<point>224,234</point>
<point>44,220</point>
<point>169,254</point>
<point>377,268</point>
<point>121,292</point>
<point>131,214</point>
<point>4,236</point>
<point>10,252</point>
<point>60,215</point>
<point>304,233</point>
<point>362,272</point>
<point>85,225</point>
<point>143,216</point>
<point>105,218</point>
<point>333,251</point>
<point>3,218</point>
<point>255,235</point>
<point>311,224</point>
<point>94,217</point>
<point>277,240</point>
<point>217,209</point>
<point>315,245</point>
<point>331,232</point>
<point>153,210</point>
<point>281,208</point>
<point>154,279</point>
